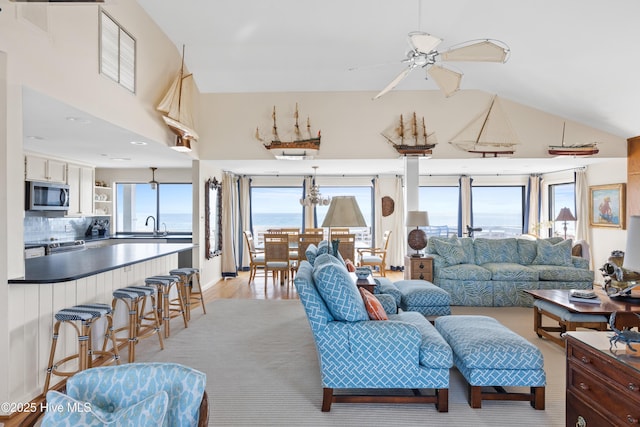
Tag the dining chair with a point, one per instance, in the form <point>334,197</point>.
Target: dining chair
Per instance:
<point>346,245</point>
<point>319,231</point>
<point>293,233</point>
<point>304,240</point>
<point>276,256</point>
<point>375,257</point>
<point>257,256</point>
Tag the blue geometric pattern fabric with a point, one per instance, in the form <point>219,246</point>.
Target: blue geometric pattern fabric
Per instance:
<point>487,353</point>
<point>83,312</point>
<point>339,291</point>
<point>112,388</point>
<point>423,297</point>
<point>311,253</point>
<point>403,352</point>
<point>65,411</point>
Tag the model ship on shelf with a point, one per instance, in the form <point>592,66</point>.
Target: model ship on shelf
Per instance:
<point>489,134</point>
<point>301,146</point>
<point>176,106</point>
<point>587,149</point>
<point>412,139</point>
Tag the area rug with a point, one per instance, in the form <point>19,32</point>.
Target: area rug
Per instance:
<point>262,370</point>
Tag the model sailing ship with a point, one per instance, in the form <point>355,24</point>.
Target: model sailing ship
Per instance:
<point>416,142</point>
<point>176,106</point>
<point>587,149</point>
<point>489,134</point>
<point>301,146</point>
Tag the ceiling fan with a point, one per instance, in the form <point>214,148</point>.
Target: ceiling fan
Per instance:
<point>423,54</point>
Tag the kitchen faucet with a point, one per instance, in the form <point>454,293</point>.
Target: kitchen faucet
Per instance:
<point>165,229</point>
<point>146,223</point>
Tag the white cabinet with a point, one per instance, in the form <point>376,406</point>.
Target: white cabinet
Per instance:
<point>80,180</point>
<point>42,169</point>
<point>103,200</point>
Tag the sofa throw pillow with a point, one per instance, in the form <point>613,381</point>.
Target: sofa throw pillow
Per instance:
<point>453,253</point>
<point>311,253</point>
<point>527,251</point>
<point>373,305</point>
<point>323,247</point>
<point>554,254</point>
<point>63,410</point>
<point>431,242</point>
<point>339,291</point>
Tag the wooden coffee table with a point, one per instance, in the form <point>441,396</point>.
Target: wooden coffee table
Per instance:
<point>559,300</point>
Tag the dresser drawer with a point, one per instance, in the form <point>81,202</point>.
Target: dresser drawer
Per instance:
<point>581,414</point>
<point>624,377</point>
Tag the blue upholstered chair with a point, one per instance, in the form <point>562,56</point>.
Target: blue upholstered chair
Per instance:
<point>140,394</point>
<point>404,352</point>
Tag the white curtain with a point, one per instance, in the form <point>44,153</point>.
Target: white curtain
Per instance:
<point>582,208</point>
<point>533,204</point>
<point>230,224</point>
<point>397,242</point>
<point>465,205</point>
<point>377,231</point>
<point>245,220</point>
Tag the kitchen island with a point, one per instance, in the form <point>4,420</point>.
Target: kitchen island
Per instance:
<point>62,280</point>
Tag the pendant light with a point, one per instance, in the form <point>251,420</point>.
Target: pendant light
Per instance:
<point>153,183</point>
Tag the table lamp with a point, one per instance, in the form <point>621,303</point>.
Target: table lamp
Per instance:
<point>344,212</point>
<point>565,215</point>
<point>417,238</point>
<point>632,252</point>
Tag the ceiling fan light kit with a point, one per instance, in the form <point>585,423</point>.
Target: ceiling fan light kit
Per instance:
<point>423,54</point>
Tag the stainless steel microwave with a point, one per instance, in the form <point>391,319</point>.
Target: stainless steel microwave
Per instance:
<point>47,196</point>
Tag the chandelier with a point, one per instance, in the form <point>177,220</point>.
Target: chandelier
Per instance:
<point>314,197</point>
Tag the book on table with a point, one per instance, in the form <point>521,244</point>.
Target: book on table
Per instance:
<point>583,296</point>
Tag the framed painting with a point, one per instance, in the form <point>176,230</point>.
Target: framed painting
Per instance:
<point>607,206</point>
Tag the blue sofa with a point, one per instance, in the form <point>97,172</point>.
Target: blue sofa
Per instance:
<point>495,272</point>
<point>403,352</point>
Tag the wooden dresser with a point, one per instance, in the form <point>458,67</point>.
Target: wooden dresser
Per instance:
<point>603,387</point>
<point>418,268</point>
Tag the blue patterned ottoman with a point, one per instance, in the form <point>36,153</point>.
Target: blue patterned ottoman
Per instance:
<point>488,354</point>
<point>423,297</point>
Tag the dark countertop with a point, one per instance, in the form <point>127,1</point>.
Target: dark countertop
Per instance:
<point>67,266</point>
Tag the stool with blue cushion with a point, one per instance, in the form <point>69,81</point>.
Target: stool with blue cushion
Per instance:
<point>567,320</point>
<point>192,294</point>
<point>87,315</point>
<point>488,354</point>
<point>142,323</point>
<point>417,295</point>
<point>164,285</point>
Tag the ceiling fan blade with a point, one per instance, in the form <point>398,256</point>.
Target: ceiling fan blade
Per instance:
<point>395,81</point>
<point>447,80</point>
<point>482,51</point>
<point>423,42</point>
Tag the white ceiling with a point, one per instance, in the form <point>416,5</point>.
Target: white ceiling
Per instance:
<point>577,59</point>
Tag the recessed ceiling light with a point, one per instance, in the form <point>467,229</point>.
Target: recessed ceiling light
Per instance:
<point>78,119</point>
<point>137,143</point>
<point>120,159</point>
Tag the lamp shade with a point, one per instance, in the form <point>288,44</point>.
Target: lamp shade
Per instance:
<point>565,215</point>
<point>417,219</point>
<point>632,252</point>
<point>344,212</point>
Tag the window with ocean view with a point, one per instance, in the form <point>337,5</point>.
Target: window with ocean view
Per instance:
<point>169,204</point>
<point>442,205</point>
<point>562,196</point>
<point>498,210</point>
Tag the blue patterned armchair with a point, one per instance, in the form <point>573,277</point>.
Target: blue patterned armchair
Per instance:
<point>140,394</point>
<point>403,352</point>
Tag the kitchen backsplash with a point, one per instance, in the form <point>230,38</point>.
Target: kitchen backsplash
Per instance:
<point>40,228</point>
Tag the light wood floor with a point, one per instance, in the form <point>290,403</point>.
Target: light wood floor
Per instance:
<point>238,287</point>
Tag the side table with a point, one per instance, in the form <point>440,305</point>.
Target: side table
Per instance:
<point>418,268</point>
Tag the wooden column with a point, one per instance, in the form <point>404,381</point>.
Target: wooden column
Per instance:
<point>633,176</point>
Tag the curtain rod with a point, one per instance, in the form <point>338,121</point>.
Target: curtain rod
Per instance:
<point>506,174</point>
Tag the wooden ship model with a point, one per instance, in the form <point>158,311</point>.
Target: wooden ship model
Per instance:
<point>586,149</point>
<point>414,142</point>
<point>299,147</point>
<point>489,134</point>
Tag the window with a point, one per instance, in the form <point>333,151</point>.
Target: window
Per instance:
<point>442,205</point>
<point>117,53</point>
<point>562,196</point>
<point>279,207</point>
<point>499,211</point>
<point>170,205</point>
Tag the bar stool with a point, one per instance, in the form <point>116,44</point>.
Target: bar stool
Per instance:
<point>87,315</point>
<point>142,324</point>
<point>164,284</point>
<point>191,295</point>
